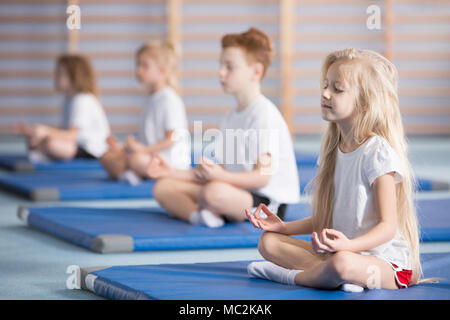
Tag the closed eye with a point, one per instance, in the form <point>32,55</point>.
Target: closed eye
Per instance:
<point>338,90</point>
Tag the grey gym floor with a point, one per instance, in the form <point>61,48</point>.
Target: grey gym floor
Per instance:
<point>33,264</point>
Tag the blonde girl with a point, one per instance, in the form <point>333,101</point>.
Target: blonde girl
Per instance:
<point>364,226</point>
<point>164,114</point>
<point>84,126</point>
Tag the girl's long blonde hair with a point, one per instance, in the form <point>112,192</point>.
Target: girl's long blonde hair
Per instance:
<point>373,79</point>
<point>165,55</point>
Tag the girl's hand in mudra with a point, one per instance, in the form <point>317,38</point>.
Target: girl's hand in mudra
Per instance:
<point>271,223</point>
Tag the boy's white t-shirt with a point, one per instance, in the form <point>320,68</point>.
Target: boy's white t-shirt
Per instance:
<point>354,213</point>
<point>84,111</point>
<point>164,112</point>
<point>257,130</point>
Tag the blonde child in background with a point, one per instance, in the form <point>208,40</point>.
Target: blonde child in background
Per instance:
<point>164,114</point>
<point>84,126</point>
<point>364,226</point>
<point>212,193</point>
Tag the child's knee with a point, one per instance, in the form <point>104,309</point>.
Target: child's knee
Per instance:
<point>268,244</point>
<point>212,193</point>
<point>139,162</point>
<point>341,264</point>
<point>54,148</point>
<point>162,187</point>
<point>138,159</point>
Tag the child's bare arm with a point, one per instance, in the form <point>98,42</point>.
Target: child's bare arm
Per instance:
<point>255,179</point>
<point>165,143</point>
<point>386,205</point>
<point>303,226</point>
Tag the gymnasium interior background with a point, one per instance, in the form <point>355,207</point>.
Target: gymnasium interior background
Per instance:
<point>414,34</point>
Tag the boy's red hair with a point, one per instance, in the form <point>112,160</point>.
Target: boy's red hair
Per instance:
<point>255,43</point>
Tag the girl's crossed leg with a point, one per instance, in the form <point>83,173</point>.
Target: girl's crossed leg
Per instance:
<point>325,271</point>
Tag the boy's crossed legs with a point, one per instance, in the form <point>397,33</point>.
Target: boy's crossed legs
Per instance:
<point>183,199</point>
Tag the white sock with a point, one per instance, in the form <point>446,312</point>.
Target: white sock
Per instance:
<point>194,218</point>
<point>271,271</point>
<point>350,287</point>
<point>131,177</point>
<point>210,220</point>
<point>36,156</point>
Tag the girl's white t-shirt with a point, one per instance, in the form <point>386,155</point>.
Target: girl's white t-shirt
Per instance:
<point>354,213</point>
<point>84,111</point>
<point>164,112</point>
<point>252,132</point>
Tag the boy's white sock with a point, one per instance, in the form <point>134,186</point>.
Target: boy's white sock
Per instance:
<point>131,177</point>
<point>350,287</point>
<point>210,220</point>
<point>271,271</point>
<point>194,218</point>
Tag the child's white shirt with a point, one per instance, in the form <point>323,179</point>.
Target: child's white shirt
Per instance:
<point>164,112</point>
<point>84,111</point>
<point>354,213</point>
<point>259,129</point>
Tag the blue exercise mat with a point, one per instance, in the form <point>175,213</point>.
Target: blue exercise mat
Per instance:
<point>231,281</point>
<point>129,229</point>
<point>20,163</point>
<point>434,219</point>
<point>107,230</point>
<point>96,185</point>
<point>305,159</point>
<point>89,185</point>
<point>73,185</point>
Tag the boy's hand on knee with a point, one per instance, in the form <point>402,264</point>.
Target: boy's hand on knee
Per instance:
<point>207,170</point>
